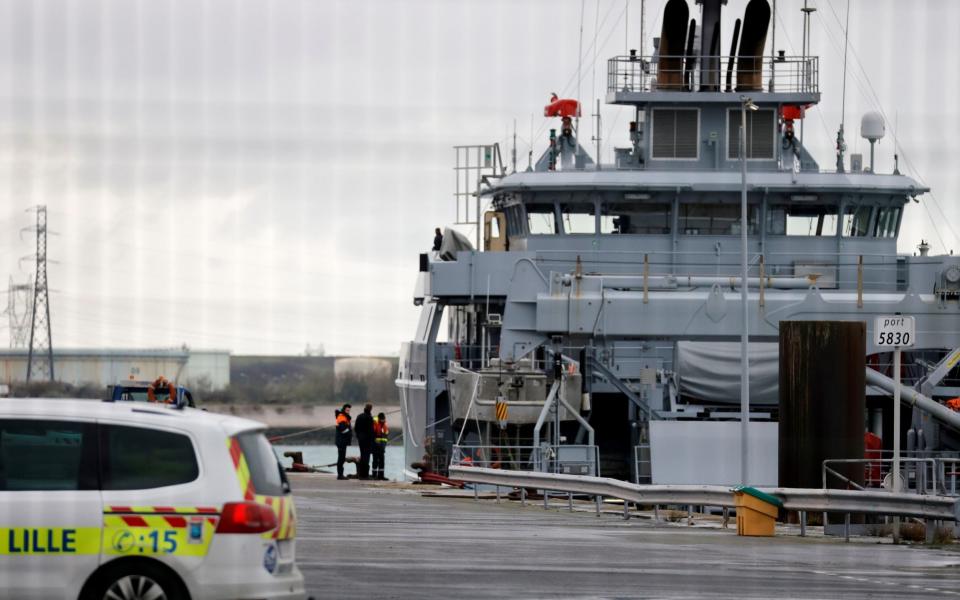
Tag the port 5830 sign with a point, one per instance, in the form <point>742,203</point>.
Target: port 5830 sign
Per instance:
<point>894,331</point>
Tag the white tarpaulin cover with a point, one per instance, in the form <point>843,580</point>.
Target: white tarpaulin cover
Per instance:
<point>710,371</point>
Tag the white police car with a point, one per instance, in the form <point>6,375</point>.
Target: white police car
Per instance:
<point>130,500</point>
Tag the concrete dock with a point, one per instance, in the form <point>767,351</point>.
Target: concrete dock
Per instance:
<point>373,540</point>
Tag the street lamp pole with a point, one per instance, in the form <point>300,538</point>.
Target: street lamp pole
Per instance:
<point>745,103</point>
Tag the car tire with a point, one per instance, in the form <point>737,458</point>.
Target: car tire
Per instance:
<point>136,580</point>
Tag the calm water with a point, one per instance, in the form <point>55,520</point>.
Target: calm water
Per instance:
<point>327,454</point>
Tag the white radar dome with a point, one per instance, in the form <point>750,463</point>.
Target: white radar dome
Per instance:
<point>872,127</point>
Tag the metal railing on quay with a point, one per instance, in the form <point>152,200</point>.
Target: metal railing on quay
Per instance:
<point>921,472</point>
<point>804,501</point>
<point>918,475</point>
<point>787,74</point>
<point>578,459</point>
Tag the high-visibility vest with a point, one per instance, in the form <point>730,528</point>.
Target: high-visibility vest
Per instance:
<point>381,433</point>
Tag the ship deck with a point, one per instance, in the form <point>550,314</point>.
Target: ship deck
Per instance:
<point>386,540</point>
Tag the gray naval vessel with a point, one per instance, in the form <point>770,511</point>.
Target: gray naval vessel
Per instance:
<point>592,324</point>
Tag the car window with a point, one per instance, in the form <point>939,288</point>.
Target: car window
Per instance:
<point>266,474</point>
<point>137,458</point>
<point>47,455</point>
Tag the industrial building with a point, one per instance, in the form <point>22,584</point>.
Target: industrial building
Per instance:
<point>207,370</point>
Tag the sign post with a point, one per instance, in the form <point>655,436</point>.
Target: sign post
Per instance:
<point>897,332</point>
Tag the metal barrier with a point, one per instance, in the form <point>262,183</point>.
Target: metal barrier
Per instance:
<point>571,459</point>
<point>803,500</point>
<point>791,74</point>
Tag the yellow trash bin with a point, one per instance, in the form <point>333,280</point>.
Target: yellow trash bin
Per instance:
<point>756,511</point>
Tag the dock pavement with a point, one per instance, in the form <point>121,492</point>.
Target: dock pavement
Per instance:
<point>372,540</point>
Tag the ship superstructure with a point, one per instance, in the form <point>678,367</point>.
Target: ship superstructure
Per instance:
<point>597,328</point>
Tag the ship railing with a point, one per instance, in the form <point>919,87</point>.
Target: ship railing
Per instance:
<point>924,473</point>
<point>830,270</point>
<point>572,459</point>
<point>781,74</point>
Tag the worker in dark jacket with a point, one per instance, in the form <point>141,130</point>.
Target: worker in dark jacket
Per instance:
<point>437,240</point>
<point>381,437</point>
<point>344,437</point>
<point>365,441</point>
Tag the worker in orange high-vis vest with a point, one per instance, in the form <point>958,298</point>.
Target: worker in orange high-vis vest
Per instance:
<point>381,437</point>
<point>343,438</point>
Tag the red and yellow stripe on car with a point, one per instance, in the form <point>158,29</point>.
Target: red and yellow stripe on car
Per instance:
<point>158,530</point>
<point>286,516</point>
<point>240,466</point>
<point>282,505</point>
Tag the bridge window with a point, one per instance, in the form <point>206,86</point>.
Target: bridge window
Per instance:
<point>887,218</point>
<point>541,219</point>
<point>856,221</point>
<point>715,219</point>
<point>514,220</point>
<point>578,217</point>
<point>802,220</point>
<point>630,217</point>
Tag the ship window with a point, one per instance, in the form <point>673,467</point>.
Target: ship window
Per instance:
<point>578,217</point>
<point>802,220</point>
<point>760,134</point>
<point>628,217</point>
<point>540,219</point>
<point>887,222</point>
<point>856,221</point>
<point>676,133</point>
<point>715,219</point>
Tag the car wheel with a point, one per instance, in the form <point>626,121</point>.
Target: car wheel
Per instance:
<point>140,581</point>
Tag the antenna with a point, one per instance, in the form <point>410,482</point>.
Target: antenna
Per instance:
<point>599,129</point>
<point>643,16</point>
<point>841,146</point>
<point>513,152</point>
<point>40,355</point>
<point>773,47</point>
<point>807,11</point>
<point>530,151</point>
<point>576,127</point>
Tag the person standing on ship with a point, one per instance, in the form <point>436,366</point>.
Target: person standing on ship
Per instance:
<point>437,240</point>
<point>343,438</point>
<point>381,437</point>
<point>364,430</point>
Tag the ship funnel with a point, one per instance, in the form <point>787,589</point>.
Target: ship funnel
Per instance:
<point>733,53</point>
<point>690,56</point>
<point>872,129</point>
<point>753,38</point>
<point>710,45</point>
<point>673,36</point>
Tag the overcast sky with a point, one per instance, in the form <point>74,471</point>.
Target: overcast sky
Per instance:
<point>261,175</point>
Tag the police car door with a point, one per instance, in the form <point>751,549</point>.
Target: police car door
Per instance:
<point>50,512</point>
<point>150,482</point>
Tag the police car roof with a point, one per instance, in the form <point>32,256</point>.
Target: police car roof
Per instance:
<point>134,412</point>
